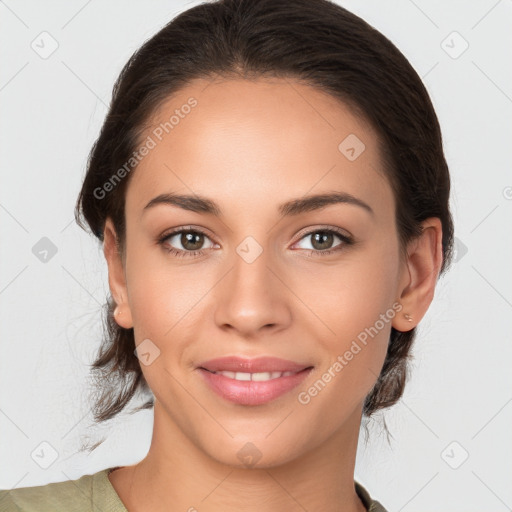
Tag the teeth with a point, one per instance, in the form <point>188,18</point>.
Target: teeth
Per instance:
<point>259,377</point>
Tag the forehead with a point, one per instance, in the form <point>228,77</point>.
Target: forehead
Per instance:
<point>257,139</point>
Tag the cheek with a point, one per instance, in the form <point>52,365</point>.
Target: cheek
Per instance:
<point>354,303</point>
<point>351,295</point>
<point>163,296</point>
<point>356,307</point>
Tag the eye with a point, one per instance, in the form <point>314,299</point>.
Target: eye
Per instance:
<point>185,242</point>
<point>188,242</point>
<point>322,240</point>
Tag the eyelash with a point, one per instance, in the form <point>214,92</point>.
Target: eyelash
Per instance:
<point>347,241</point>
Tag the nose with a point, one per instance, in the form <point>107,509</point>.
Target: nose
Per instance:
<point>252,298</point>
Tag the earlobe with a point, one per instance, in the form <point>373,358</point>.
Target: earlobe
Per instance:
<point>419,275</point>
<point>116,276</point>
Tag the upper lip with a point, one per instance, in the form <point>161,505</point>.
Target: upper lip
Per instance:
<point>254,365</point>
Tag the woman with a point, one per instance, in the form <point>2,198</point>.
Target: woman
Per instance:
<point>271,192</point>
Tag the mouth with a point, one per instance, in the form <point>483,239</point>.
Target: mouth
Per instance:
<point>252,381</point>
<point>256,377</point>
<point>264,364</point>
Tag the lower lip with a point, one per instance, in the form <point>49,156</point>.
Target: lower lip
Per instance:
<point>245,392</point>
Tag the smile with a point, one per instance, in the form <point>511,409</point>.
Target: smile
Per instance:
<point>243,388</point>
<point>258,377</point>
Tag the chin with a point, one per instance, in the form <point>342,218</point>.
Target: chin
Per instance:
<point>254,452</point>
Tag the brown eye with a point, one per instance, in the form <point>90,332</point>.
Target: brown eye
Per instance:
<point>186,242</point>
<point>322,240</point>
<point>192,241</point>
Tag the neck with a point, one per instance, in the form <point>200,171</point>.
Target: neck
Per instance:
<point>177,475</point>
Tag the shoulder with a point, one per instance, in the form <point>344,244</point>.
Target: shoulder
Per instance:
<point>370,504</point>
<point>85,493</point>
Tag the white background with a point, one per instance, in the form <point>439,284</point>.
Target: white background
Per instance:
<point>460,388</point>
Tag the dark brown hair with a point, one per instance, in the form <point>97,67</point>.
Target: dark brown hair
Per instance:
<point>318,43</point>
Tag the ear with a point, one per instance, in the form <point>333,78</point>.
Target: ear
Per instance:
<point>116,276</point>
<point>419,275</point>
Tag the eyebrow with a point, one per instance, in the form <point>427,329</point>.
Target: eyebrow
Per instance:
<point>200,204</point>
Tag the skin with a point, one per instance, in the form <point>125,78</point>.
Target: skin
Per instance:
<point>250,146</point>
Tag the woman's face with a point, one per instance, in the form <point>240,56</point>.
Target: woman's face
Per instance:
<point>255,278</point>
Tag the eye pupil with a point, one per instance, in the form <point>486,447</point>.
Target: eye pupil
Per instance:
<point>323,239</point>
<point>187,238</point>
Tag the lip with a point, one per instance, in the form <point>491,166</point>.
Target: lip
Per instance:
<point>252,392</point>
<point>258,364</point>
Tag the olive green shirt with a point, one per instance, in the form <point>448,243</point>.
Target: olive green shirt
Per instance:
<point>94,493</point>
